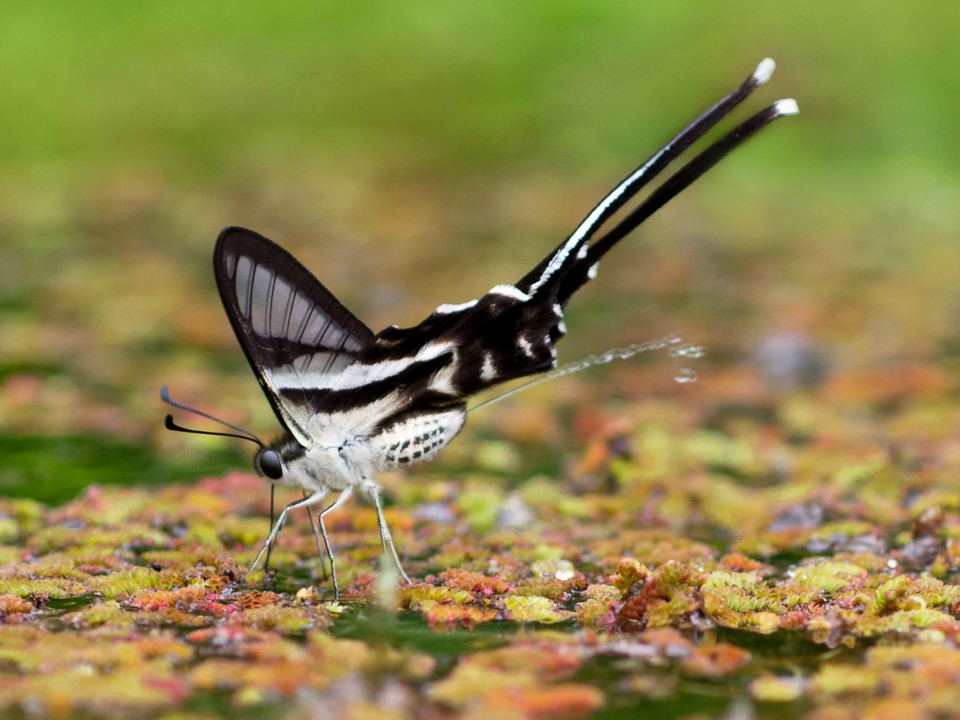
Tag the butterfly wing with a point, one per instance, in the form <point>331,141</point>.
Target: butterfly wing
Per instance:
<point>502,336</point>
<point>295,333</point>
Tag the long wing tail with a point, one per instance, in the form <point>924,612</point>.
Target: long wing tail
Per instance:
<point>511,331</point>
<point>573,263</point>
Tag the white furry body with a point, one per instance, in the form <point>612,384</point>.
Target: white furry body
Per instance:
<point>346,452</point>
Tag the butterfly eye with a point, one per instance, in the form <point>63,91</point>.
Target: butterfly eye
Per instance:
<point>268,464</point>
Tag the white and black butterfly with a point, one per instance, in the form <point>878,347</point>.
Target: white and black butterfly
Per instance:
<point>355,403</point>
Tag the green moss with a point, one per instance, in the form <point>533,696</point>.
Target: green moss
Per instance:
<point>535,609</point>
<point>106,613</point>
<point>133,581</point>
<point>480,505</point>
<point>831,577</point>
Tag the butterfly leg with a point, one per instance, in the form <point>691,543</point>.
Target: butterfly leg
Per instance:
<point>372,490</point>
<point>320,549</point>
<point>342,498</point>
<point>266,563</point>
<point>275,531</point>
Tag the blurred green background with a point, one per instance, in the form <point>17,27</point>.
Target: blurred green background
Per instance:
<point>418,153</point>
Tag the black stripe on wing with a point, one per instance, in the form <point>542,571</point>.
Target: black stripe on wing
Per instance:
<point>497,338</point>
<point>294,332</point>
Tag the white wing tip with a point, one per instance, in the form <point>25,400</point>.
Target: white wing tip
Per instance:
<point>764,70</point>
<point>787,107</point>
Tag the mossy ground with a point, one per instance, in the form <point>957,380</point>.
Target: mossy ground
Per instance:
<point>777,539</point>
<point>680,561</point>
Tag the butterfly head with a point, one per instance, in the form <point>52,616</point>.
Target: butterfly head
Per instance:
<point>267,463</point>
<point>276,461</point>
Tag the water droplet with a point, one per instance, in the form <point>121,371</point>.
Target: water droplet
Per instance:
<point>686,375</point>
<point>694,352</point>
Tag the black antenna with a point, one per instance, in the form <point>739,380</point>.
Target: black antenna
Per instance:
<point>169,424</point>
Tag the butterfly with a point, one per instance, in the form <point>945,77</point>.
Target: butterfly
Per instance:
<point>354,403</point>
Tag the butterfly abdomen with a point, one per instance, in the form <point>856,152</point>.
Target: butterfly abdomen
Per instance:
<point>417,436</point>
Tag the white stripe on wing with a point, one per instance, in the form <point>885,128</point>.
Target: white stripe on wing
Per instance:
<point>354,375</point>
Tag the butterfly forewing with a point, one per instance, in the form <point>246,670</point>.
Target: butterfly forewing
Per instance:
<point>296,334</point>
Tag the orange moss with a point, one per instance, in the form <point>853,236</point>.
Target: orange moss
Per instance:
<point>741,563</point>
<point>480,585</point>
<point>11,605</point>
<point>565,701</point>
<point>449,617</point>
<point>254,599</point>
<point>718,660</point>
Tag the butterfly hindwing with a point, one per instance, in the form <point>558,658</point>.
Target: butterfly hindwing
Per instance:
<point>458,351</point>
<point>295,333</point>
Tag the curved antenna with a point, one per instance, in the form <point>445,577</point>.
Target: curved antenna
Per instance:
<point>169,424</point>
<point>604,358</point>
